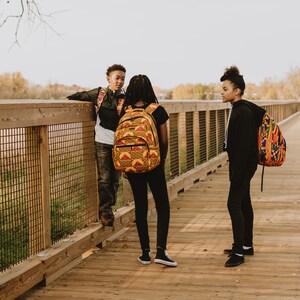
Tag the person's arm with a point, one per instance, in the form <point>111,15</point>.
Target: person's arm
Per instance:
<point>90,95</point>
<point>164,143</point>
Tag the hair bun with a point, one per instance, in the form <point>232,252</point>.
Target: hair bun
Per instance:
<point>232,71</point>
<point>233,74</point>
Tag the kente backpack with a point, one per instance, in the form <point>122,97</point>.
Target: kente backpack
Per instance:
<point>136,144</point>
<point>271,144</point>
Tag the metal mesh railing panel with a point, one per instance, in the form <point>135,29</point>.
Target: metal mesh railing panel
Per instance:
<point>174,147</point>
<point>221,130</point>
<point>20,196</point>
<point>212,152</point>
<point>196,138</point>
<point>203,140</point>
<point>190,153</point>
<point>182,144</point>
<point>72,170</point>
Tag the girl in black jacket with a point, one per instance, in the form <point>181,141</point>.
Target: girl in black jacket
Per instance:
<point>241,146</point>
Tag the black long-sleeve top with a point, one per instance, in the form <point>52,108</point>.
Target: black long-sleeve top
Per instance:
<point>108,113</point>
<point>242,138</point>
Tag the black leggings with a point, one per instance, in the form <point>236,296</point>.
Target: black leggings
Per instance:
<point>241,212</point>
<point>157,183</point>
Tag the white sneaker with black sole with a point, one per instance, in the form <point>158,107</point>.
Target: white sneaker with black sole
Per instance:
<point>163,258</point>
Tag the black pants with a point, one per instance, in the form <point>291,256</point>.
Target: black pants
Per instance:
<point>241,212</point>
<point>157,183</point>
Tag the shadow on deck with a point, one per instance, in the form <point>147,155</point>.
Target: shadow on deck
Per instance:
<point>199,231</point>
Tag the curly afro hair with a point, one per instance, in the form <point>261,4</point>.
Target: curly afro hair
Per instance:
<point>232,74</point>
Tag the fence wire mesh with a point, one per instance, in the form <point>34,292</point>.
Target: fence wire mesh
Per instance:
<point>190,153</point>
<point>174,147</point>
<point>221,130</point>
<point>21,218</point>
<point>212,135</point>
<point>72,169</point>
<point>71,181</point>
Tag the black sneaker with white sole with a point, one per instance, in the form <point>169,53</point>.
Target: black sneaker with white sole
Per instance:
<point>163,258</point>
<point>145,258</point>
<point>249,251</point>
<point>235,260</point>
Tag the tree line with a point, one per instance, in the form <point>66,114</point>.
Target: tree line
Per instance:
<point>15,86</point>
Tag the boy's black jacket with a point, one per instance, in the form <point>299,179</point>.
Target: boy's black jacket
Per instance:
<point>108,114</point>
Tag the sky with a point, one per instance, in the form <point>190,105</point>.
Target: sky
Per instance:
<point>172,41</point>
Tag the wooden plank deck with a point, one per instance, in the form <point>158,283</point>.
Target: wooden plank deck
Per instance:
<point>199,231</point>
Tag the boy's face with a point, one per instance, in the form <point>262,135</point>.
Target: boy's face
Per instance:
<point>116,80</point>
<point>229,92</point>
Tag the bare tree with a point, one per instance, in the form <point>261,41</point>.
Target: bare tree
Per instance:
<point>26,10</point>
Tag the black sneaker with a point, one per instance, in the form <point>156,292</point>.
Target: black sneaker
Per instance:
<point>249,251</point>
<point>163,258</point>
<point>145,258</point>
<point>107,220</point>
<point>234,260</point>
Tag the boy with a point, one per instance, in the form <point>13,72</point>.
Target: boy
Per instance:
<point>108,103</point>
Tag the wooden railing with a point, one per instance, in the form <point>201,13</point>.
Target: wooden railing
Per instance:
<point>48,196</point>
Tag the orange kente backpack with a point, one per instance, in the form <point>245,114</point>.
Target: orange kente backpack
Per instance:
<point>271,144</point>
<point>136,144</point>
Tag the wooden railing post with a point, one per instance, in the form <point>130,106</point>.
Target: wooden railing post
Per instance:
<point>45,182</point>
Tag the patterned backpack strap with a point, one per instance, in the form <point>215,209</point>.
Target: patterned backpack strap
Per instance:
<point>121,101</point>
<point>120,105</point>
<point>151,108</point>
<point>101,94</point>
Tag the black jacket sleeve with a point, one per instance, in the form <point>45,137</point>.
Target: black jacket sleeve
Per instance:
<point>90,95</point>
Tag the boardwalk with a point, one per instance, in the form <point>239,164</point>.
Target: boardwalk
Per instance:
<point>200,229</point>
